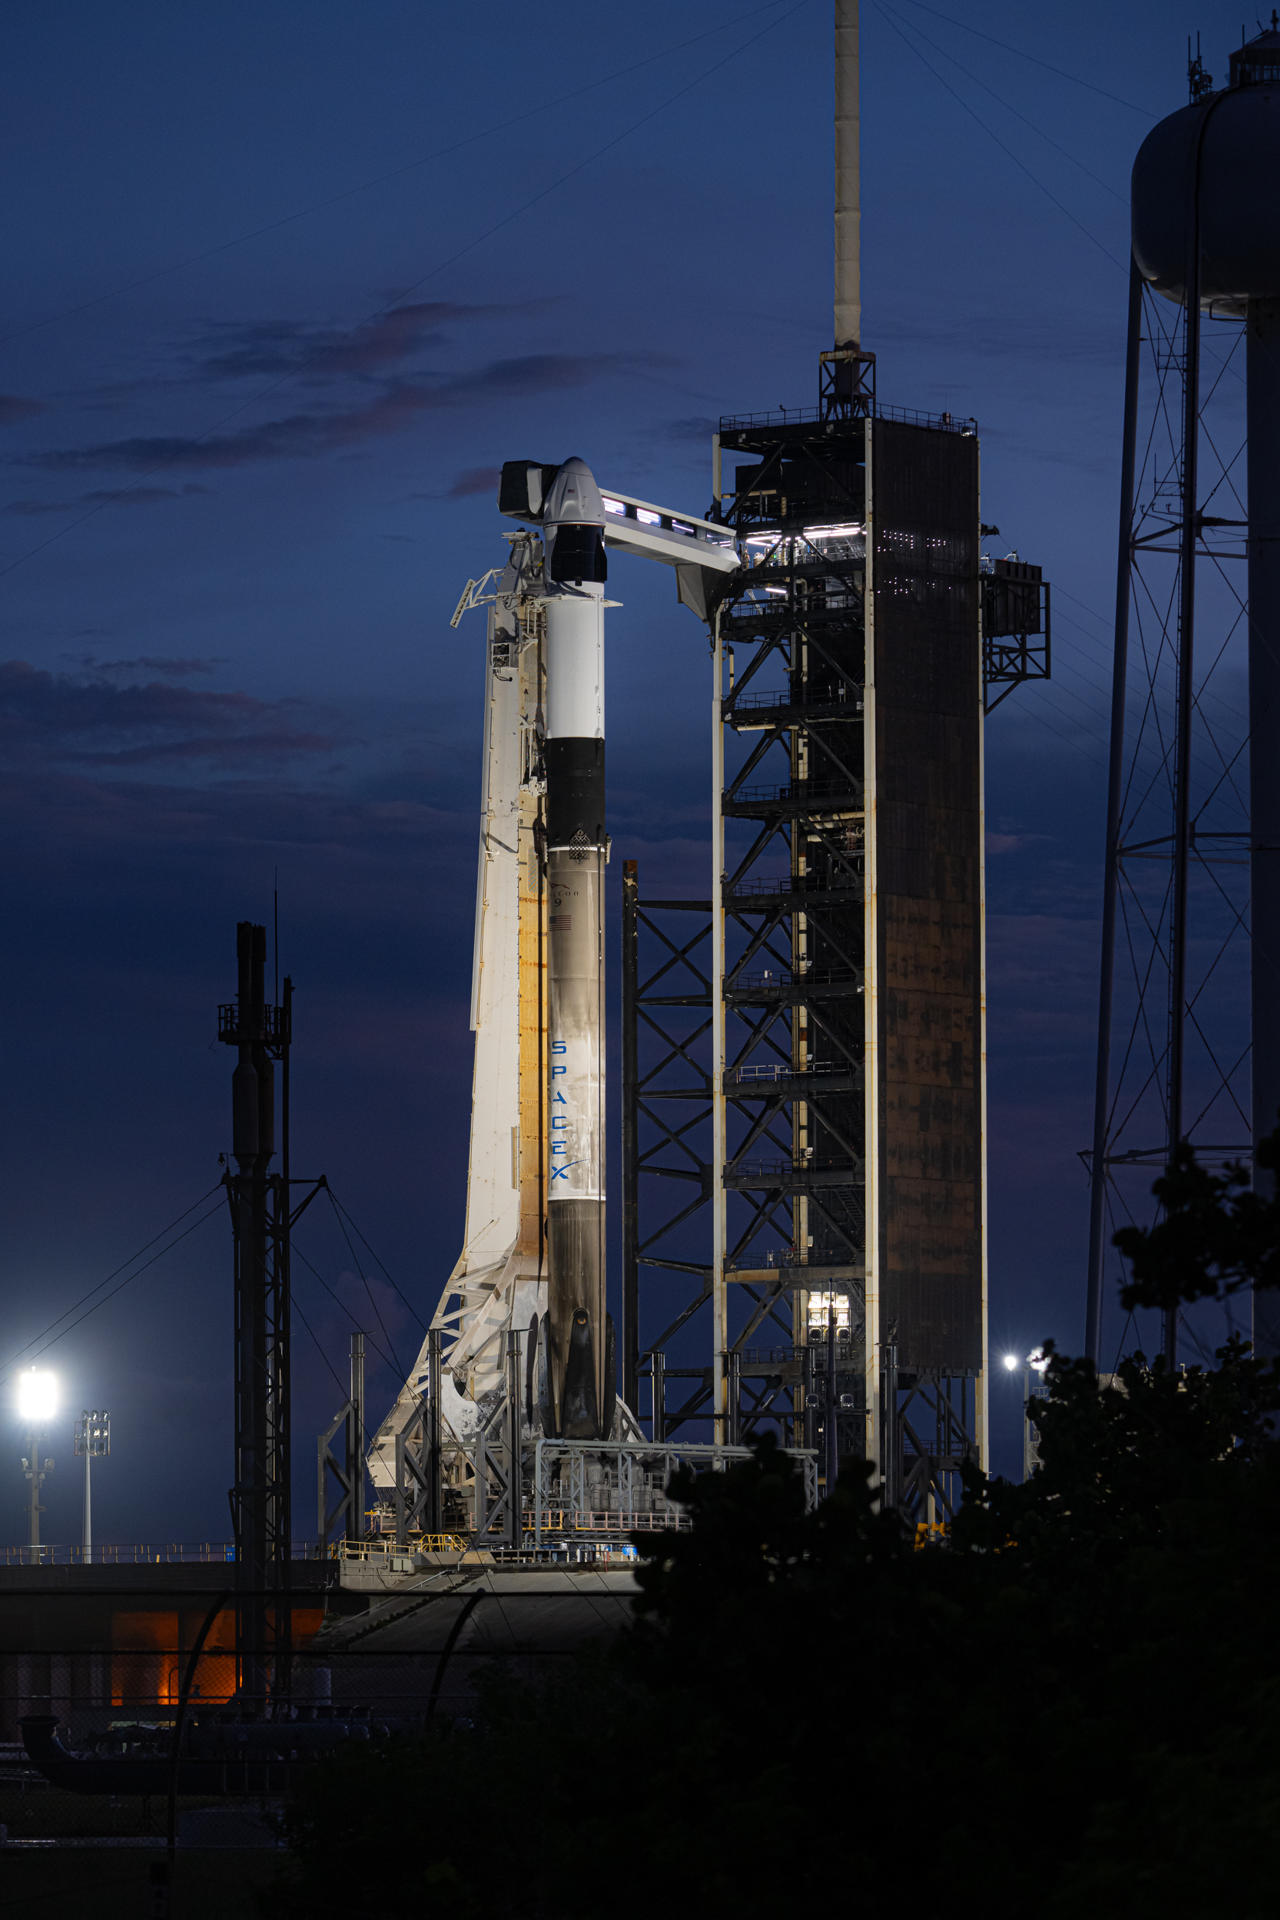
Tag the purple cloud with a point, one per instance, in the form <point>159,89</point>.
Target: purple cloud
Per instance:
<point>298,436</point>
<point>235,749</point>
<point>106,497</point>
<point>471,481</point>
<point>177,669</point>
<point>287,346</point>
<point>309,436</point>
<point>53,717</point>
<point>14,407</point>
<point>998,843</point>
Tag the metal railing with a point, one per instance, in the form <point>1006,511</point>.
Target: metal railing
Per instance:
<point>555,1520</point>
<point>831,798</point>
<point>784,977</point>
<point>756,1260</point>
<point>768,1072</point>
<point>383,1548</point>
<point>792,1172</point>
<point>805,416</point>
<point>795,883</point>
<point>753,699</point>
<point>763,607</point>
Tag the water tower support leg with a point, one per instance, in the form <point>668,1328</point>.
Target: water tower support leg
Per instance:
<point>1263,377</point>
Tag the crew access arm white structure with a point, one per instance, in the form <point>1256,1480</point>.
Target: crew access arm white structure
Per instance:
<point>540,630</point>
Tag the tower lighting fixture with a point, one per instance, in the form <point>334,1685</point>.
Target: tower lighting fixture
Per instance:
<point>92,1442</point>
<point>37,1405</point>
<point>37,1395</point>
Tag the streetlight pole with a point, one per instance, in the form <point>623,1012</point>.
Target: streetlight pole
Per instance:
<point>1033,1387</point>
<point>93,1441</point>
<point>35,1480</point>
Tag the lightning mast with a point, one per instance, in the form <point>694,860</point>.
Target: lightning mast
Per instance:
<point>836,1260</point>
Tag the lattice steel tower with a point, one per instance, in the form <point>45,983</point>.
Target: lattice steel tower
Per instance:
<point>806,1048</point>
<point>1189,1017</point>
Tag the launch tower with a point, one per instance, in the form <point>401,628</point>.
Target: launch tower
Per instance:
<point>803,1179</point>
<point>807,1085</point>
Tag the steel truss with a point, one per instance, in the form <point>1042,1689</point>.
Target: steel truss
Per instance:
<point>622,1486</point>
<point>345,1519</point>
<point>262,1220</point>
<point>668,1198</point>
<point>1174,1042</point>
<point>511,1490</point>
<point>745,1018</point>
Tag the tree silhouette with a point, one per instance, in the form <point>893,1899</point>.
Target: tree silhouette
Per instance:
<point>1217,1236</point>
<point>1068,1708</point>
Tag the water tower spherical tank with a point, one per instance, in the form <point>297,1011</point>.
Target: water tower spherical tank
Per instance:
<point>1223,152</point>
<point>1207,178</point>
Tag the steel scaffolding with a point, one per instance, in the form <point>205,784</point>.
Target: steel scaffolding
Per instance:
<point>804,1197</point>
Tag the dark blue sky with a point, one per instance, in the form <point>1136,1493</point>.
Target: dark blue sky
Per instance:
<point>285,286</point>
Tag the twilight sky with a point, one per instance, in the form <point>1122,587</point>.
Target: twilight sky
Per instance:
<point>286,285</point>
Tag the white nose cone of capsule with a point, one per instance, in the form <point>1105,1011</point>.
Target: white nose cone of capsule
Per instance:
<point>573,532</point>
<point>573,498</point>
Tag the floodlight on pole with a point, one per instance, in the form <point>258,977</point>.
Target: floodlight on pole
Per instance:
<point>37,1395</point>
<point>1034,1387</point>
<point>93,1442</point>
<point>37,1405</point>
<point>1011,1362</point>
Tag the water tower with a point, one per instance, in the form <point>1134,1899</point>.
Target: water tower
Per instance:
<point>1189,1016</point>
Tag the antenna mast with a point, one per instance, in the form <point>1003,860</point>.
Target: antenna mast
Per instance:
<point>848,278</point>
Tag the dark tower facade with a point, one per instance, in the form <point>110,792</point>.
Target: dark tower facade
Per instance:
<point>852,828</point>
<point>842,1109</point>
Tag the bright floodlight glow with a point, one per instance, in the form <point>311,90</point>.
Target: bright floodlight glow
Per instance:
<point>1038,1361</point>
<point>37,1394</point>
<point>850,532</point>
<point>1010,1362</point>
